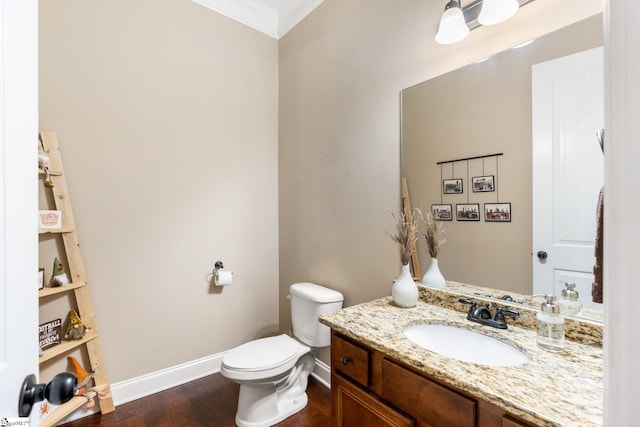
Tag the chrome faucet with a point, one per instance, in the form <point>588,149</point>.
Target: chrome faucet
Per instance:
<point>482,314</point>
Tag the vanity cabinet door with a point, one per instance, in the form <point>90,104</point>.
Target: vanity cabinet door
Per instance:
<point>354,407</point>
<point>429,402</point>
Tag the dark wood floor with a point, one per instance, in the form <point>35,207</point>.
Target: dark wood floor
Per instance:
<point>210,401</point>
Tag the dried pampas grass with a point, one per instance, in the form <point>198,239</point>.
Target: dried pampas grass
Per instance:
<point>406,234</point>
<point>433,231</point>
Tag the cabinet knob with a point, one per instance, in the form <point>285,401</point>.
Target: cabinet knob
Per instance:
<point>345,360</point>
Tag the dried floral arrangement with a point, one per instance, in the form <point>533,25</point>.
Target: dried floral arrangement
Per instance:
<point>432,234</point>
<point>406,235</point>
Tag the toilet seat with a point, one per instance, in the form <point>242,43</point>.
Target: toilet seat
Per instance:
<point>263,358</point>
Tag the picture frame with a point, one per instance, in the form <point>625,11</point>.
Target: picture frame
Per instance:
<point>497,212</point>
<point>468,212</point>
<point>442,212</point>
<point>452,186</point>
<point>483,184</point>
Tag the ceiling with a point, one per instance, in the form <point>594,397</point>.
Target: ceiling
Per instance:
<point>272,17</point>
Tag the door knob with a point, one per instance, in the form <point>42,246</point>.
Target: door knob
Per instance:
<point>59,390</point>
<point>542,255</point>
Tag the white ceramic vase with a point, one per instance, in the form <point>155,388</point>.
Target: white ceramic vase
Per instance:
<point>404,291</point>
<point>433,277</point>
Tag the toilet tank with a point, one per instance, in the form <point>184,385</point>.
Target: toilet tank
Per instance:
<point>308,301</point>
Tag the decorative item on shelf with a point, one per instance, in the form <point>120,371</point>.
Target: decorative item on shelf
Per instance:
<point>43,159</point>
<point>76,329</point>
<point>40,278</point>
<point>43,163</point>
<point>84,377</point>
<point>85,380</point>
<point>433,236</point>
<point>50,333</point>
<point>58,276</point>
<point>49,219</point>
<point>404,291</point>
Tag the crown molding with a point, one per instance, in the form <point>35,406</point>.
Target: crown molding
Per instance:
<point>261,17</point>
<point>293,12</point>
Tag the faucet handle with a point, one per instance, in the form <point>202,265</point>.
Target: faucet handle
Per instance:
<point>466,301</point>
<point>501,311</point>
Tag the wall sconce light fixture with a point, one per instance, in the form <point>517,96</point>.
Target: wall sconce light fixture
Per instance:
<point>456,21</point>
<point>453,27</point>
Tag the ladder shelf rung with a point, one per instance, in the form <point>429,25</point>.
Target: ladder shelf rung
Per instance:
<point>66,346</point>
<point>68,408</point>
<point>56,230</point>
<point>47,291</point>
<point>51,173</point>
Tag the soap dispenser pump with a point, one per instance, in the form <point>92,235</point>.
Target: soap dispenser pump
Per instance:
<point>569,303</point>
<point>550,325</point>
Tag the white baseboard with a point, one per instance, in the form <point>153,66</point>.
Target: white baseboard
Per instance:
<point>154,382</point>
<point>322,373</point>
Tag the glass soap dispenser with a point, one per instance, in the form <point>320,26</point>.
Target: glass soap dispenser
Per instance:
<point>569,303</point>
<point>550,325</point>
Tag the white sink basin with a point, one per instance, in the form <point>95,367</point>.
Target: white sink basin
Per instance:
<point>465,345</point>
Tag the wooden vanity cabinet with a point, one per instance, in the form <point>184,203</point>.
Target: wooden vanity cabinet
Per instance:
<point>353,402</point>
<point>370,389</point>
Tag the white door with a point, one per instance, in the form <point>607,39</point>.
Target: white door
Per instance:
<point>18,199</point>
<point>568,170</point>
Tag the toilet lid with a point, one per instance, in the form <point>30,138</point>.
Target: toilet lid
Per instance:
<point>262,354</point>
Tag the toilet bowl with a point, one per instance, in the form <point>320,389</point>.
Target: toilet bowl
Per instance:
<point>273,372</point>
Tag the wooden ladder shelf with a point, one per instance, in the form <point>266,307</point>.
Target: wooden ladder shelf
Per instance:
<point>78,285</point>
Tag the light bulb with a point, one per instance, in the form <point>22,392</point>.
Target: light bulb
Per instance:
<point>497,11</point>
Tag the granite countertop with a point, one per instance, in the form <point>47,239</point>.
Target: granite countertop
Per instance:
<point>552,389</point>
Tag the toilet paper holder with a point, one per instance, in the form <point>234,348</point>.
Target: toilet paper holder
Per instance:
<point>221,278</point>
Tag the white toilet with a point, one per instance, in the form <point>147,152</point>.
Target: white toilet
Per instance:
<point>273,372</point>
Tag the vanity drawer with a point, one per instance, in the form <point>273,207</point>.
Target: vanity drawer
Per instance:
<point>427,401</point>
<point>350,359</point>
<point>508,421</point>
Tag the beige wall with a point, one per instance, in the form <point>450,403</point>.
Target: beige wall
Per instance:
<point>167,118</point>
<point>341,72</point>
<point>481,109</point>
